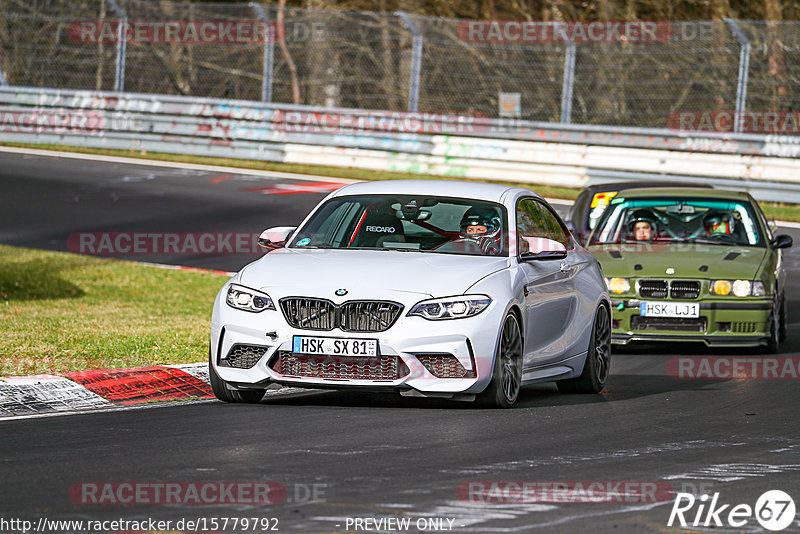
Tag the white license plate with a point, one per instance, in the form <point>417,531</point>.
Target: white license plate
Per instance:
<point>334,346</point>
<point>670,309</point>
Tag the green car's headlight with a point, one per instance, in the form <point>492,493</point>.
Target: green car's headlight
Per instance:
<point>618,286</point>
<point>739,288</point>
<point>450,307</point>
<point>247,299</point>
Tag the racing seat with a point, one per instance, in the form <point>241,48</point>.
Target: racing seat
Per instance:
<point>378,227</point>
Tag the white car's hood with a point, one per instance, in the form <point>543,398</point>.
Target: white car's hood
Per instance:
<point>364,272</point>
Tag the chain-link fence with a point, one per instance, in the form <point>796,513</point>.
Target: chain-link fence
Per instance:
<point>394,61</point>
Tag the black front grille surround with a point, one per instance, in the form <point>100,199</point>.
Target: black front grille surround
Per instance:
<point>653,289</point>
<point>351,316</point>
<point>684,289</point>
<point>676,289</point>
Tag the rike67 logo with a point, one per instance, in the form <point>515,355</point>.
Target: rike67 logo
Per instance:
<point>774,510</point>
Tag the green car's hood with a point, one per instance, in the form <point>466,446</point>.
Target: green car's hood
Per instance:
<point>687,259</point>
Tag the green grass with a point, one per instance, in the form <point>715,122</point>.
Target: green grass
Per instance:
<point>63,312</point>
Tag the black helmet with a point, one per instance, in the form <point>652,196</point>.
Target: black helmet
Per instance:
<point>480,216</point>
<point>642,215</point>
<point>718,222</point>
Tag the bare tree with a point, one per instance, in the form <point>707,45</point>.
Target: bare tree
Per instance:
<point>286,54</point>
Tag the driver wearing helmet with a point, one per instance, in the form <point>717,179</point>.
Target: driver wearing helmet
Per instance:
<point>642,225</point>
<point>483,226</point>
<point>718,223</point>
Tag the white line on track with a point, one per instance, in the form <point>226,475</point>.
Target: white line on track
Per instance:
<point>231,170</point>
<point>171,164</point>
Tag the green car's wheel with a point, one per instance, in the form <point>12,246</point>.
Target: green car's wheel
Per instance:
<point>777,327</point>
<point>782,328</point>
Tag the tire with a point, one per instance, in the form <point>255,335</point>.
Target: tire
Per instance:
<point>782,328</point>
<point>224,393</point>
<point>503,390</point>
<point>777,324</point>
<point>598,358</point>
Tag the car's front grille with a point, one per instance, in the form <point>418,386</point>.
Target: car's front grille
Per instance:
<point>668,323</point>
<point>653,289</point>
<point>676,289</point>
<point>243,356</point>
<point>311,314</point>
<point>363,368</point>
<point>352,316</point>
<point>684,289</point>
<point>368,316</point>
<point>444,366</point>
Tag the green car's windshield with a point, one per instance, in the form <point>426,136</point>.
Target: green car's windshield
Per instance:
<point>407,223</point>
<point>698,220</point>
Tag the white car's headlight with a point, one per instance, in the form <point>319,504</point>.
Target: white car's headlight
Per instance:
<point>244,298</point>
<point>451,307</point>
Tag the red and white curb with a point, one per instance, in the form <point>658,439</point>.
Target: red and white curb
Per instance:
<point>102,388</point>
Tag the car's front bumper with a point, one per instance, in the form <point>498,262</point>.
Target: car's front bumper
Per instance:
<point>472,341</point>
<point>722,323</point>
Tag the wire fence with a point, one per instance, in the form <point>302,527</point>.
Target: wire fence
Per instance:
<point>394,61</point>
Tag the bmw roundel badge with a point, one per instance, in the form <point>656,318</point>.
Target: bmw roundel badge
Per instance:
<point>341,292</point>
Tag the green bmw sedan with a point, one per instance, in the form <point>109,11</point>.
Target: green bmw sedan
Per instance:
<point>692,264</point>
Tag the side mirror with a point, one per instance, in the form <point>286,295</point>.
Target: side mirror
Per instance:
<point>541,248</point>
<point>275,238</point>
<point>782,241</point>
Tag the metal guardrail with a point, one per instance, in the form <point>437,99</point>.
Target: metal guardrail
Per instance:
<point>447,145</point>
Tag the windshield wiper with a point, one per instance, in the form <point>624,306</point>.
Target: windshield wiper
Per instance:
<point>706,241</point>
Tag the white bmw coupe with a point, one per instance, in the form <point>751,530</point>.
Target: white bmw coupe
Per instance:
<point>442,289</point>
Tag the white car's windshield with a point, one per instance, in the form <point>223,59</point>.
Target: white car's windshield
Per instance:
<point>707,221</point>
<point>407,223</point>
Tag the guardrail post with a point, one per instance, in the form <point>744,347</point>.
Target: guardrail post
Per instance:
<point>269,53</point>
<point>416,60</point>
<point>568,83</point>
<point>122,42</point>
<point>744,72</point>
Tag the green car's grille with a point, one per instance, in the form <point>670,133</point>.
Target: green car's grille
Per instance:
<point>653,289</point>
<point>668,323</point>
<point>676,289</point>
<point>684,289</point>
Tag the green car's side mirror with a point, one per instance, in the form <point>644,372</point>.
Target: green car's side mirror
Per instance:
<point>782,241</point>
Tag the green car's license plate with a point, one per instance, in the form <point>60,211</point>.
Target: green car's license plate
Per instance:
<point>670,309</point>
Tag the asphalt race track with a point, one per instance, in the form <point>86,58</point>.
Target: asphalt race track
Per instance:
<point>379,455</point>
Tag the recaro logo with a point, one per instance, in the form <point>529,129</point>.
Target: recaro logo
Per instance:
<point>381,229</point>
<point>774,510</point>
